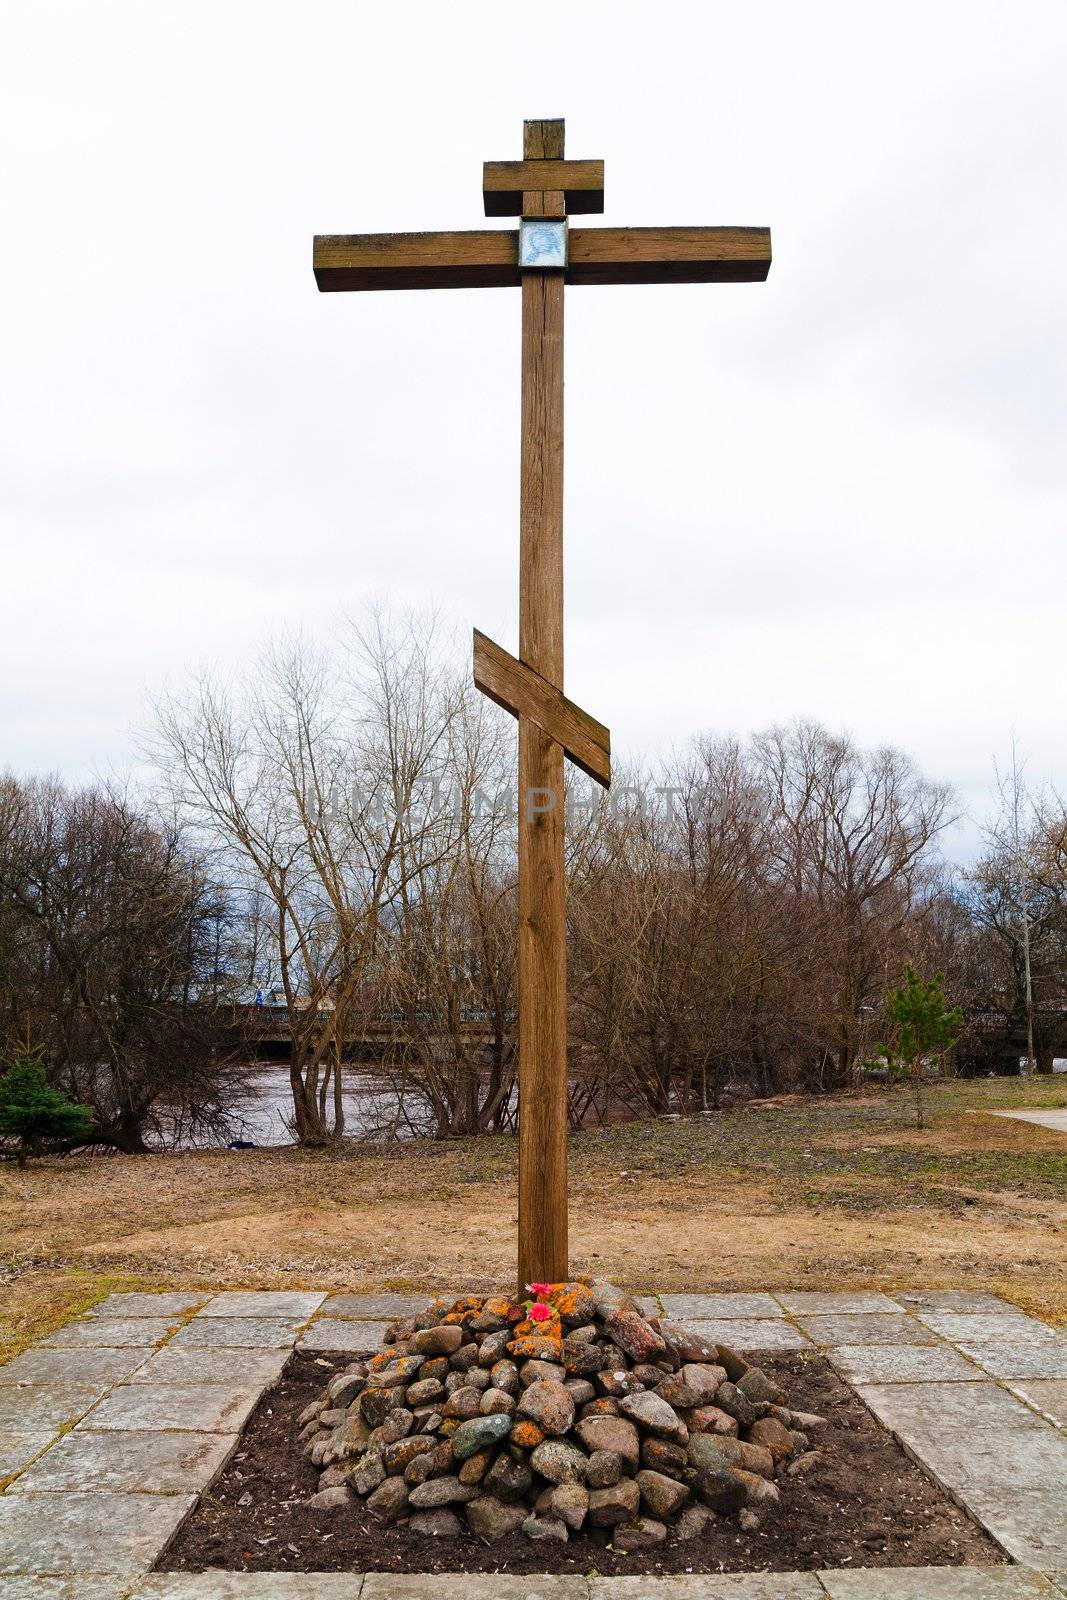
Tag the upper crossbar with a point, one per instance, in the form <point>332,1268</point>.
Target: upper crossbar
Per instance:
<point>489,258</point>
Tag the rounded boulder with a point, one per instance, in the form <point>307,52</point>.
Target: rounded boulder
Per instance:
<point>550,1406</point>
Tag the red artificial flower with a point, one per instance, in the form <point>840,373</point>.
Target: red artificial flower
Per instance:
<point>539,1289</point>
<point>540,1312</point>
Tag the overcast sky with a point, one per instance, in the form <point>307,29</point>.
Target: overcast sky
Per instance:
<point>839,494</point>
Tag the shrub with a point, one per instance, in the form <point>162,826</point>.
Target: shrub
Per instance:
<point>33,1114</point>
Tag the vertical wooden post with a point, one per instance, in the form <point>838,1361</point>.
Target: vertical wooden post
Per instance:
<point>532,686</point>
<point>542,961</point>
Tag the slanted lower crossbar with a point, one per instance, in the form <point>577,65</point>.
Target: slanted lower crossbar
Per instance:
<point>523,692</point>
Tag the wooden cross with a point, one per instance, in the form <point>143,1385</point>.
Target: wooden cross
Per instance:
<point>541,257</point>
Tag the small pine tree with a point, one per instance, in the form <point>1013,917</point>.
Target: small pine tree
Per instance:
<point>34,1114</point>
<point>924,1028</point>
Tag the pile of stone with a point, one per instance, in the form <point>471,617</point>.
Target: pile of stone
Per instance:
<point>478,1417</point>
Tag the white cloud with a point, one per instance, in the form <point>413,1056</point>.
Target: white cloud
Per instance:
<point>841,493</point>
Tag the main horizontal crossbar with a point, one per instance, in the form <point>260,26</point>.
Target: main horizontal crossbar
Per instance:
<point>505,182</point>
<point>523,692</point>
<point>489,258</point>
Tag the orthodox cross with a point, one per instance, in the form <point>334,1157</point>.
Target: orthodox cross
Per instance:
<point>541,257</point>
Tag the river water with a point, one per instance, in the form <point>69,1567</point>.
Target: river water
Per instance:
<point>264,1115</point>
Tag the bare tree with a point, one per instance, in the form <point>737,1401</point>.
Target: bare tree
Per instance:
<point>122,961</point>
<point>308,779</point>
<point>852,837</point>
<point>445,961</point>
<point>745,932</point>
<point>1012,836</point>
<point>1017,896</point>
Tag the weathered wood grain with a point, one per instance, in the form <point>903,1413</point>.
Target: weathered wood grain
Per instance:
<point>542,1013</point>
<point>541,476</point>
<point>484,259</point>
<point>543,139</point>
<point>523,692</point>
<point>489,258</point>
<point>543,203</point>
<point>541,946</point>
<point>669,255</point>
<point>505,182</point>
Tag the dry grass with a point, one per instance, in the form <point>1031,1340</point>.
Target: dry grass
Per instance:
<point>797,1192</point>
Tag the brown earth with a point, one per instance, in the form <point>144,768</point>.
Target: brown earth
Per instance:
<point>794,1193</point>
<point>863,1503</point>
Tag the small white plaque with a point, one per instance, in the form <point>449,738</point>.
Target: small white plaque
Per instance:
<point>542,244</point>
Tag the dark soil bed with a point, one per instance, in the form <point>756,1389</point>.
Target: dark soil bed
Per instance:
<point>863,1503</point>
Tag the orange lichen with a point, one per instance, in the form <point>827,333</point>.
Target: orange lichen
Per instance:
<point>527,1435</point>
<point>549,1329</point>
<point>403,1454</point>
<point>572,1300</point>
<point>536,1347</point>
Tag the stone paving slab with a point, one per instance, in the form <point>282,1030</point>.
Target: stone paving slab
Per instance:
<point>975,1302</point>
<point>982,1444</point>
<point>336,1333</point>
<point>472,1586</point>
<point>242,1368</point>
<point>101,1333</point>
<point>1022,1459</point>
<point>745,1333</point>
<point>814,1303</point>
<point>130,1463</point>
<point>1007,1326</point>
<point>1019,1360</point>
<point>879,1327</point>
<point>380,1305</point>
<point>920,1409</point>
<point>216,1585</point>
<point>896,1363</point>
<point>260,1333</point>
<point>936,1583</point>
<point>33,1408</point>
<point>295,1304</point>
<point>1047,1395</point>
<point>17,1449</point>
<point>1030,1524</point>
<point>702,1307</point>
<point>163,1304</point>
<point>59,1534</point>
<point>711,1586</point>
<point>95,1368</point>
<point>1056,1120</point>
<point>192,1408</point>
<point>37,1588</point>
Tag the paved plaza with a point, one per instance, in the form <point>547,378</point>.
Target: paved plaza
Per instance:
<point>112,1428</point>
<point>1056,1120</point>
